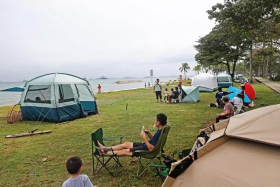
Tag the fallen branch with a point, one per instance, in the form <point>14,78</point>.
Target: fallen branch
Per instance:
<point>28,134</point>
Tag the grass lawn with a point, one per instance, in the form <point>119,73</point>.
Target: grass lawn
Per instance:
<point>21,156</point>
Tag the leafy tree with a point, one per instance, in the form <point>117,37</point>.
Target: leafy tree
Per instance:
<point>185,67</point>
<point>197,69</point>
<point>223,45</point>
<point>247,16</point>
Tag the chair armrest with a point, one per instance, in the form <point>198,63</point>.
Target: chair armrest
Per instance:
<point>96,147</point>
<point>113,139</point>
<point>141,151</point>
<point>99,148</point>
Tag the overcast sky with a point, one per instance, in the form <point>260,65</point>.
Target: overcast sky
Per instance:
<point>91,38</point>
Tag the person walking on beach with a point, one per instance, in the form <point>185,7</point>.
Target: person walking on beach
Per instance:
<point>99,88</point>
<point>158,89</point>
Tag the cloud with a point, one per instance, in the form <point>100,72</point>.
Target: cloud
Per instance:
<point>92,38</point>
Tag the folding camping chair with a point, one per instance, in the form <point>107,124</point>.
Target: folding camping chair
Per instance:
<point>105,159</point>
<point>163,170</point>
<point>154,155</point>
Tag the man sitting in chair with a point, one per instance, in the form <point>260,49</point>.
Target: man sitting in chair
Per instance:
<point>129,148</point>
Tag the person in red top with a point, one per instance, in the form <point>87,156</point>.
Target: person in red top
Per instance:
<point>99,88</point>
<point>180,86</point>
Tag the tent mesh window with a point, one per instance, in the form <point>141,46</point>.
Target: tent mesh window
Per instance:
<point>38,94</point>
<point>84,92</point>
<point>65,93</point>
<point>223,79</point>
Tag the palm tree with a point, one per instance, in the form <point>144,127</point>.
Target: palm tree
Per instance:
<point>185,67</point>
<point>197,69</point>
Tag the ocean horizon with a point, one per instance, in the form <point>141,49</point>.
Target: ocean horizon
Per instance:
<point>107,85</point>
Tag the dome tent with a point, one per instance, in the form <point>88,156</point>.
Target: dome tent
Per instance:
<point>239,76</point>
<point>224,80</point>
<point>206,82</point>
<point>190,94</point>
<point>57,97</point>
<point>241,151</point>
<point>237,91</point>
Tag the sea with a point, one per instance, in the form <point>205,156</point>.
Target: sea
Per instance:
<point>107,85</point>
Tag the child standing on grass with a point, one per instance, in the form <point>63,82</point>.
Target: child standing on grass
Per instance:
<point>166,93</point>
<point>74,167</point>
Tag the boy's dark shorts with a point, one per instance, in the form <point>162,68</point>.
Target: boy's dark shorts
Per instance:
<point>136,146</point>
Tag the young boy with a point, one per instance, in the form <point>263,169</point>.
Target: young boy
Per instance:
<point>74,167</point>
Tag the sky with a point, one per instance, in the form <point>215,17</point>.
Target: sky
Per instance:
<point>92,38</point>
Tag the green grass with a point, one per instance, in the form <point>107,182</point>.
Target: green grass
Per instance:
<point>21,156</point>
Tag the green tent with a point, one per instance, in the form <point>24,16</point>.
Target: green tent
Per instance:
<point>190,94</point>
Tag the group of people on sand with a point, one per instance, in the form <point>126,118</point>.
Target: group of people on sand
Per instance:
<point>74,164</point>
<point>174,94</point>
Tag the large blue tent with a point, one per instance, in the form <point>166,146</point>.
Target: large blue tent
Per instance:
<point>237,91</point>
<point>56,97</point>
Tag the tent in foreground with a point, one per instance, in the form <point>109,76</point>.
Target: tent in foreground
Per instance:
<point>242,151</point>
<point>206,82</point>
<point>190,94</point>
<point>57,97</point>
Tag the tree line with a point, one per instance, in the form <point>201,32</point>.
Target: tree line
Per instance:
<point>245,39</point>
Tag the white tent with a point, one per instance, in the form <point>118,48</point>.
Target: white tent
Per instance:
<point>190,94</point>
<point>57,97</point>
<point>206,82</point>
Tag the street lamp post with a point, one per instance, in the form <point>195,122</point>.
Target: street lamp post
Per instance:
<point>151,74</point>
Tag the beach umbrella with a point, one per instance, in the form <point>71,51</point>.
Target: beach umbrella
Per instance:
<point>250,92</point>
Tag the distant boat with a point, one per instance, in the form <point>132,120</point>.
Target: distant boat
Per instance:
<point>103,77</point>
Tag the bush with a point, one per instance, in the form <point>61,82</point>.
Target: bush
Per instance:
<point>277,78</point>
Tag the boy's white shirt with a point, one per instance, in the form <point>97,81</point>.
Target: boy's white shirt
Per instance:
<point>236,101</point>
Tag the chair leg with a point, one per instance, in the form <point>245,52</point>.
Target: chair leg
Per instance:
<point>94,168</point>
<point>144,167</point>
<point>104,163</point>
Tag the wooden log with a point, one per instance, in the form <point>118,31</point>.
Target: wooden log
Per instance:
<point>28,134</point>
<point>62,123</point>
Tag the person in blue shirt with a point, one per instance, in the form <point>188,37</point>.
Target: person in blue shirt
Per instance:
<point>219,96</point>
<point>174,94</point>
<point>129,148</point>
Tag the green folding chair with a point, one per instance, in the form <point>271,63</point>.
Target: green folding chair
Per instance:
<point>162,171</point>
<point>154,155</point>
<point>103,160</point>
